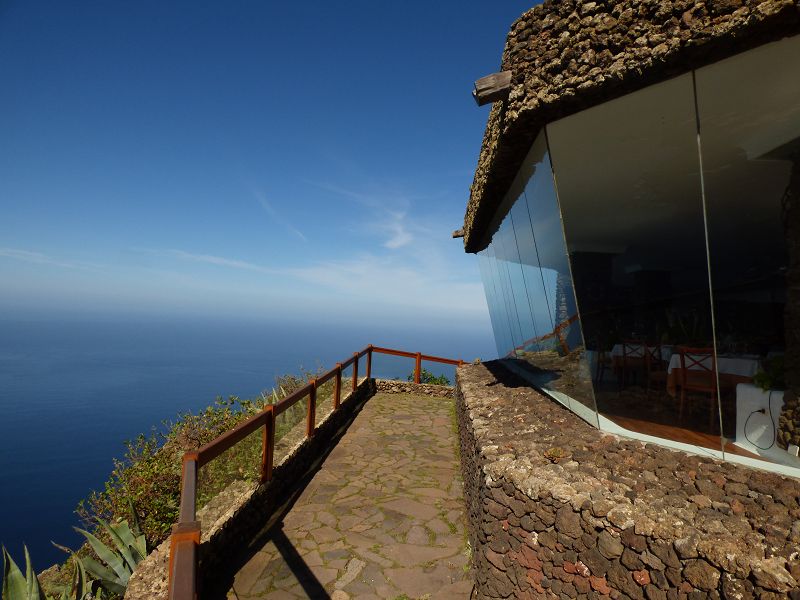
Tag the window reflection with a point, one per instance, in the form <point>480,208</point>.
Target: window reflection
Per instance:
<point>614,310</point>
<point>628,179</point>
<point>750,138</point>
<point>543,340</point>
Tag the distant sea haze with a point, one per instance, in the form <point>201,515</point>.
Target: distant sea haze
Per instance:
<point>72,391</point>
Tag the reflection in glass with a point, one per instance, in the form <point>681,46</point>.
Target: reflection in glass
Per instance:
<point>628,180</point>
<point>496,315</point>
<point>750,139</point>
<point>529,290</point>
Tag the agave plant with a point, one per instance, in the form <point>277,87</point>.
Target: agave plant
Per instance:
<point>17,586</point>
<point>82,586</point>
<point>118,563</point>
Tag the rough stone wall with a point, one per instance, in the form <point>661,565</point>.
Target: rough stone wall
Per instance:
<point>568,55</point>
<point>558,509</point>
<point>789,423</point>
<point>233,518</point>
<point>391,386</point>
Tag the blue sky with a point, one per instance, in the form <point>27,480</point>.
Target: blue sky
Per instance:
<point>245,159</point>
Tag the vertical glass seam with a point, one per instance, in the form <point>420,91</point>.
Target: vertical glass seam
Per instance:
<point>550,312</point>
<point>524,279</point>
<point>569,266</point>
<point>499,281</point>
<point>514,303</point>
<point>708,261</point>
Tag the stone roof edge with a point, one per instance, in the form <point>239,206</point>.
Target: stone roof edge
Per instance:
<point>514,123</point>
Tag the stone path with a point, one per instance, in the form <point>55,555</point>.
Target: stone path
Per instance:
<point>383,518</point>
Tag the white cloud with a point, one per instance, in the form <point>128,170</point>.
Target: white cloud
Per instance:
<point>210,259</point>
<point>397,227</point>
<point>267,206</point>
<point>41,259</point>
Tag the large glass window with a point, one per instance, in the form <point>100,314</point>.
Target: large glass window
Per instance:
<point>664,306</point>
<point>543,340</point>
<point>629,186</point>
<point>749,115</point>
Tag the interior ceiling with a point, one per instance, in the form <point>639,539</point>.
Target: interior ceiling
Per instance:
<point>628,173</point>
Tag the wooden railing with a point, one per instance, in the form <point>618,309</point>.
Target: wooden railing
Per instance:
<point>185,538</point>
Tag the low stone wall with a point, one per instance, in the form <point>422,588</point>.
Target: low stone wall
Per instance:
<point>558,509</point>
<point>393,386</point>
<point>232,520</point>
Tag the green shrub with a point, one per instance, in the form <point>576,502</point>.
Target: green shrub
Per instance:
<point>428,377</point>
<point>147,480</point>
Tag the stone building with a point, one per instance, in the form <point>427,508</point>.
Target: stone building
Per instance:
<point>634,212</point>
<point>635,216</point>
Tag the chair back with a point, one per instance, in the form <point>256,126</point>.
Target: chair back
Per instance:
<point>632,349</point>
<point>699,360</point>
<point>653,357</point>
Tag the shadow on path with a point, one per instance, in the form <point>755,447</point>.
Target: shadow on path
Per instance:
<point>223,581</point>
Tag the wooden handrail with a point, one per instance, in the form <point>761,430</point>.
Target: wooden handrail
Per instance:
<point>214,448</point>
<point>185,538</point>
<point>428,357</point>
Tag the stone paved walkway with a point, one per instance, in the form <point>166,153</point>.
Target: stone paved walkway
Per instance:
<point>383,518</point>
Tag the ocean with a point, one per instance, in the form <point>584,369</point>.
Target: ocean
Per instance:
<point>72,391</point>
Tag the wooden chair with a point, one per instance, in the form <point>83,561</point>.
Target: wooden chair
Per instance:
<point>655,368</point>
<point>698,374</point>
<point>633,361</point>
<point>604,363</point>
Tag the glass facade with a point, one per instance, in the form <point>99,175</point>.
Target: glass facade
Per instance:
<point>638,275</point>
<point>528,285</point>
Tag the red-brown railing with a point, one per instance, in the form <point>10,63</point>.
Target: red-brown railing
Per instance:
<point>185,538</point>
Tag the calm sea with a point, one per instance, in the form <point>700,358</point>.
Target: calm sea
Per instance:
<point>71,392</point>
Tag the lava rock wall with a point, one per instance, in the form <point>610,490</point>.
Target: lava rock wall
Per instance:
<point>558,509</point>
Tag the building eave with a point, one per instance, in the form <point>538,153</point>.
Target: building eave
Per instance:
<point>568,56</point>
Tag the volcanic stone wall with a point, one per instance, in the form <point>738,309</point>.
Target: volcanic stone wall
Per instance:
<point>567,55</point>
<point>558,509</point>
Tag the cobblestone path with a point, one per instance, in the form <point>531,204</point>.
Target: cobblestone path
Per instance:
<point>383,518</point>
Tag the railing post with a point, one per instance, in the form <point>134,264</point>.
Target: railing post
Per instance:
<point>267,445</point>
<point>185,538</point>
<point>183,545</point>
<point>369,361</point>
<point>312,408</point>
<point>337,386</point>
<point>355,371</point>
<point>418,368</point>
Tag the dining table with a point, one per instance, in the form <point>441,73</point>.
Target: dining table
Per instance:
<point>732,369</point>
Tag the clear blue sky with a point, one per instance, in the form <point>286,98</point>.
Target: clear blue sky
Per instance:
<point>242,158</point>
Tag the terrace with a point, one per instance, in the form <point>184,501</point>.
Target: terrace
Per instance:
<point>368,502</point>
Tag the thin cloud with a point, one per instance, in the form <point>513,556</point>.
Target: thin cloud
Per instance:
<point>399,234</point>
<point>265,204</point>
<point>386,280</point>
<point>41,259</point>
<point>388,210</point>
<point>219,261</point>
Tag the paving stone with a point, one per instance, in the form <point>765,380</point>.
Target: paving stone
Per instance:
<point>384,516</point>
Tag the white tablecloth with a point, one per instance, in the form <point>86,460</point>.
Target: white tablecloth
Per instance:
<point>745,366</point>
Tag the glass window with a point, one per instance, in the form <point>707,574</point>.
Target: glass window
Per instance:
<point>749,114</point>
<point>628,179</point>
<point>540,336</point>
<point>497,314</point>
